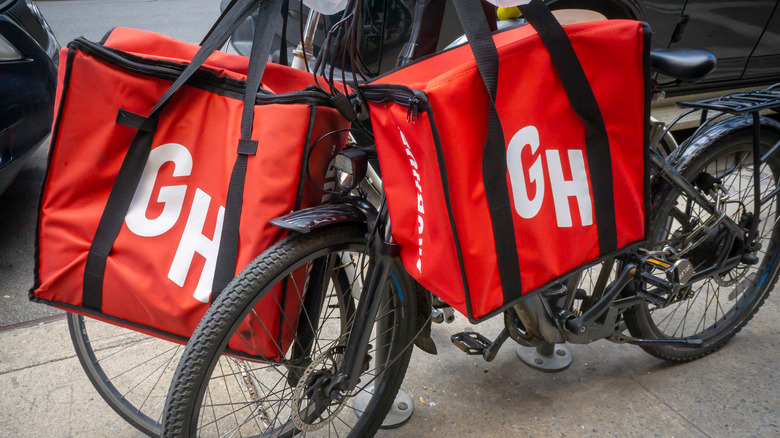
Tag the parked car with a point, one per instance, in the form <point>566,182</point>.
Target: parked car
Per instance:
<point>28,81</point>
<point>745,38</point>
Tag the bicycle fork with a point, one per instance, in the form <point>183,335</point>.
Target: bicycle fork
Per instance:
<point>382,251</point>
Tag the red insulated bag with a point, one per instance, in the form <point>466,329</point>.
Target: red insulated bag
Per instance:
<point>518,158</point>
<point>167,163</point>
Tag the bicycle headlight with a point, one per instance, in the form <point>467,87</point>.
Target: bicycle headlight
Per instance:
<point>351,166</point>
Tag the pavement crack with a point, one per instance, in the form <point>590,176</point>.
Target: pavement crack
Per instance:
<point>35,365</point>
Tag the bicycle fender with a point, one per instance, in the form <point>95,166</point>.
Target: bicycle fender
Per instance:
<point>309,219</point>
<point>716,133</point>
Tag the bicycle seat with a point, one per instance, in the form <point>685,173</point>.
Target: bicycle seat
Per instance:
<point>686,64</point>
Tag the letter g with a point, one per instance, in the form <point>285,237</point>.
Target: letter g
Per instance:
<point>171,196</point>
<point>525,207</point>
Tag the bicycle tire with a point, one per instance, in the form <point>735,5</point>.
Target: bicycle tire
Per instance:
<point>196,378</point>
<point>747,294</point>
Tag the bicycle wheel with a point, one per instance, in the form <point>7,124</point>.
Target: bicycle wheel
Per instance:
<point>715,308</point>
<point>217,394</point>
<point>130,370</point>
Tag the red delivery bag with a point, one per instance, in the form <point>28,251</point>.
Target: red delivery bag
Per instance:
<point>518,158</point>
<point>167,163</point>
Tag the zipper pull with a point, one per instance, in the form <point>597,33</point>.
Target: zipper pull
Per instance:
<point>413,112</point>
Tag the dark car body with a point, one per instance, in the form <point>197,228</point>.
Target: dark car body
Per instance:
<point>744,36</point>
<point>27,86</point>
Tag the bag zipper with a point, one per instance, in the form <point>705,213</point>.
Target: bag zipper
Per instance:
<point>204,79</point>
<point>412,99</point>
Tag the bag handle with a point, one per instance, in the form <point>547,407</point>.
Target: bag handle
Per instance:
<point>133,164</point>
<point>494,167</point>
<point>582,99</point>
<point>228,23</point>
<point>227,257</point>
<point>219,20</point>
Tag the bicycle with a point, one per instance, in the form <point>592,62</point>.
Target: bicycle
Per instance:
<point>704,238</point>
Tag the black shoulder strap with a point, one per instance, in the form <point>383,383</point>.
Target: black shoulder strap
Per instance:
<point>582,99</point>
<point>494,170</point>
<point>227,257</point>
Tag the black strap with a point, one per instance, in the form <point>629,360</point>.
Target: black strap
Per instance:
<point>582,99</point>
<point>136,121</point>
<point>227,25</point>
<point>219,20</point>
<point>227,257</point>
<point>494,168</point>
<point>133,164</point>
<point>283,39</point>
<point>113,217</point>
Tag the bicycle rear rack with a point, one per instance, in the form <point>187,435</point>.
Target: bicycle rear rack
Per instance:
<point>747,103</point>
<point>740,103</point>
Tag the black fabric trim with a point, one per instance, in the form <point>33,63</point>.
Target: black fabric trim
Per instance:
<point>494,167</point>
<point>431,55</point>
<point>648,71</point>
<point>445,184</point>
<point>136,121</point>
<point>305,158</point>
<point>283,39</point>
<point>582,99</point>
<point>52,142</point>
<point>247,147</point>
<point>202,79</point>
<point>230,22</point>
<point>228,246</point>
<point>106,35</point>
<point>219,20</point>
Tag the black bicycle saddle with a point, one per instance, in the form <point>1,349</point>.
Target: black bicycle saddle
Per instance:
<point>683,63</point>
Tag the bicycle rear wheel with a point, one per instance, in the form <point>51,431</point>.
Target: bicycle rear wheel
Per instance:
<point>130,370</point>
<point>219,394</point>
<point>715,308</point>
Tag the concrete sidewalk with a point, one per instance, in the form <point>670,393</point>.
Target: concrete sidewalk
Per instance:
<point>609,390</point>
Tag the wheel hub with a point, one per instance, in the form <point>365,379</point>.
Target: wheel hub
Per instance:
<point>312,406</point>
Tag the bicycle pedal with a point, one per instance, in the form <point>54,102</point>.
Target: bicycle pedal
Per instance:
<point>677,273</point>
<point>471,343</point>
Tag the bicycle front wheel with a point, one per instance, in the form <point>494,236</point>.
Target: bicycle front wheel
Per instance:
<point>217,392</point>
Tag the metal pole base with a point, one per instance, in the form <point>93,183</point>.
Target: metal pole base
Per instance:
<point>548,358</point>
<point>399,414</point>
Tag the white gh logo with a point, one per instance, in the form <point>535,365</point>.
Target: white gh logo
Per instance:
<point>192,239</point>
<point>561,189</point>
